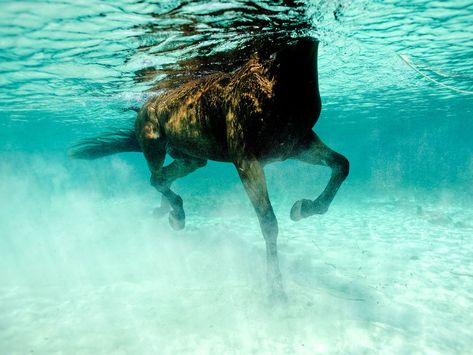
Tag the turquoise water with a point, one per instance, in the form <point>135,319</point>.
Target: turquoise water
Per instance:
<point>85,267</point>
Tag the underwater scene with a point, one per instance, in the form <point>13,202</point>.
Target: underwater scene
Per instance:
<point>89,265</point>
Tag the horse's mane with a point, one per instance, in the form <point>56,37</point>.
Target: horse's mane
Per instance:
<point>203,37</point>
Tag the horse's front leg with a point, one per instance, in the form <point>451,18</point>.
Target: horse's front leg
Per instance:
<point>163,176</point>
<point>253,179</point>
<point>313,151</point>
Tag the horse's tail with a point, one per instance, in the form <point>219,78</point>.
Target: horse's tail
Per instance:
<point>105,144</point>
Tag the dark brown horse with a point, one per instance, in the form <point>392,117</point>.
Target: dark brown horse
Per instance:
<point>260,113</point>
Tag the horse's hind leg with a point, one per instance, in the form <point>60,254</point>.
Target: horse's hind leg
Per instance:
<point>253,179</point>
<point>163,177</point>
<point>313,151</point>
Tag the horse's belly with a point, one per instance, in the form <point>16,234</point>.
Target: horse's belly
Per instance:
<point>198,137</point>
<point>199,149</point>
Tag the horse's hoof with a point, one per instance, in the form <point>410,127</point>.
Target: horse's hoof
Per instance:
<point>300,210</point>
<point>160,212</point>
<point>177,220</point>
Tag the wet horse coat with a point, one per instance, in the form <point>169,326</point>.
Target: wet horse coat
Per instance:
<point>262,112</point>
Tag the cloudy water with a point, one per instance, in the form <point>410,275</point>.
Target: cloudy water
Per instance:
<point>87,268</point>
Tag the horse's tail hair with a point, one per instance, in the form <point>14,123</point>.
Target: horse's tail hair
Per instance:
<point>106,144</point>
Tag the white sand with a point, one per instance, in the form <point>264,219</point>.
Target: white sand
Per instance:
<point>85,271</point>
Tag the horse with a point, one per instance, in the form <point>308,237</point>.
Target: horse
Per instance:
<point>260,113</point>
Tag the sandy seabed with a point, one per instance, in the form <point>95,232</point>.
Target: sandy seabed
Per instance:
<point>85,272</point>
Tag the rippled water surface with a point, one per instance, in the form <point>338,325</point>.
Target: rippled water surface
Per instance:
<point>85,267</point>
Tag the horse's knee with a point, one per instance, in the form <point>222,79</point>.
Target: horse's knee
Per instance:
<point>158,181</point>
